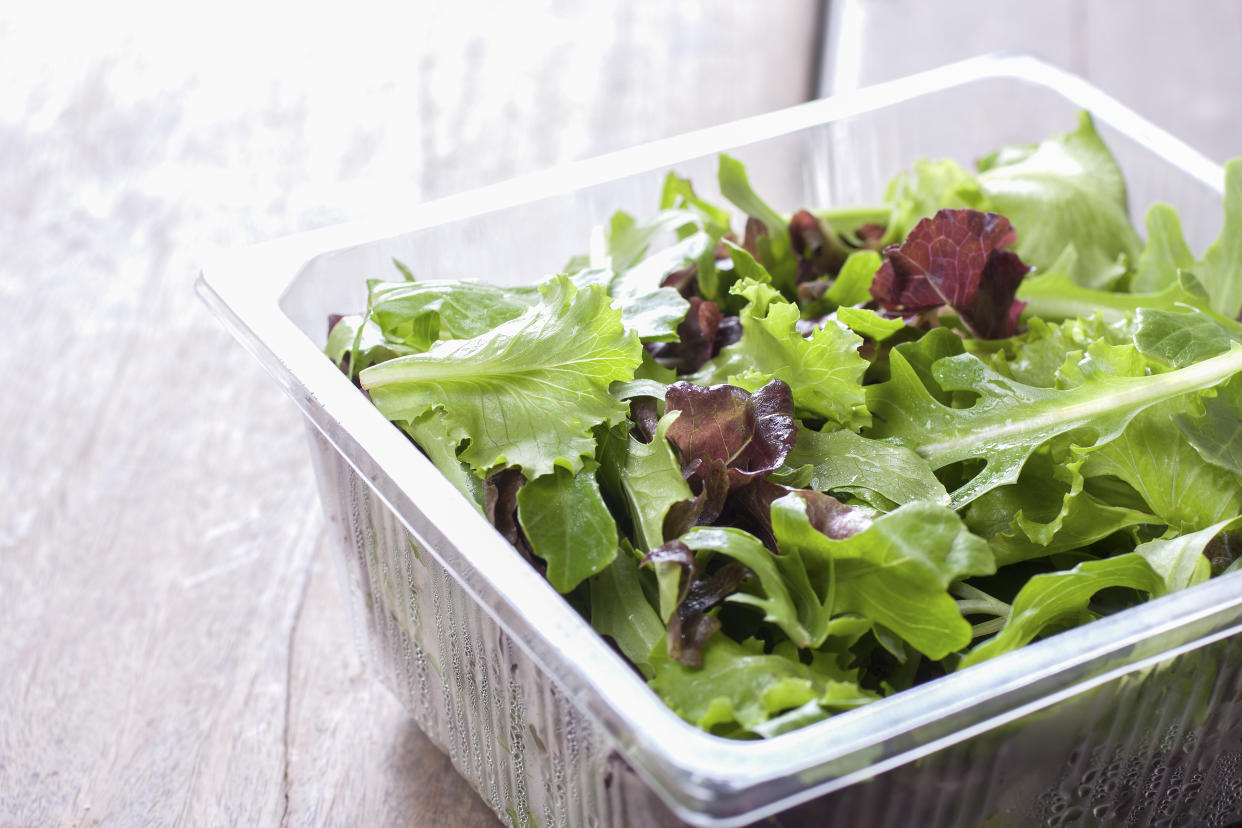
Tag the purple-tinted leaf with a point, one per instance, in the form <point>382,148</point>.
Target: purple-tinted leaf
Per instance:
<point>684,281</point>
<point>955,258</point>
<point>645,414</point>
<point>696,338</point>
<point>749,433</point>
<point>750,508</point>
<point>701,510</point>
<point>690,626</point>
<point>871,235</point>
<point>727,332</point>
<point>675,552</point>
<point>500,507</point>
<point>755,229</point>
<point>819,250</point>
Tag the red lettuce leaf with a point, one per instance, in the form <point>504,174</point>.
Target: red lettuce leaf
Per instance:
<point>749,433</point>
<point>955,258</point>
<point>691,626</point>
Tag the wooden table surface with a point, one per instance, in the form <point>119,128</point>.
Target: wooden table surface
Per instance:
<point>173,645</point>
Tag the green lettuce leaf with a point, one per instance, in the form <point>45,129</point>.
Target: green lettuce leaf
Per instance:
<point>928,187</point>
<point>775,249</point>
<point>1220,270</point>
<point>1166,253</point>
<point>741,685</point>
<point>1061,599</point>
<point>824,371</point>
<point>568,524</point>
<point>620,610</point>
<point>527,393</point>
<point>1066,190</point>
<point>843,461</point>
<point>1217,433</point>
<point>1047,512</point>
<point>895,573</point>
<point>417,314</point>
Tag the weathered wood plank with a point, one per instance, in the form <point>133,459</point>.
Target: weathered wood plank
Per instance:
<point>169,653</point>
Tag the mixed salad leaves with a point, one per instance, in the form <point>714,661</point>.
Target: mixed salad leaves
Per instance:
<point>790,464</point>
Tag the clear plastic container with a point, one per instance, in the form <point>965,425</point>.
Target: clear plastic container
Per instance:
<point>1134,719</point>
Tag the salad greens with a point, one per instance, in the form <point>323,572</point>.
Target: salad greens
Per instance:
<point>789,464</point>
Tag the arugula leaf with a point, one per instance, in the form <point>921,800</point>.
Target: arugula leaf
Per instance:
<point>1009,419</point>
<point>1062,598</point>
<point>528,392</point>
<point>568,525</point>
<point>1066,190</point>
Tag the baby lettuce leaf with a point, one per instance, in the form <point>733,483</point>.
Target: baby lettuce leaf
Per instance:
<point>620,610</point>
<point>1047,512</point>
<point>417,314</point>
<point>844,461</point>
<point>431,434</point>
<point>895,572</point>
<point>824,372</point>
<point>930,186</point>
<point>740,685</point>
<point>356,342</point>
<point>956,258</point>
<point>652,481</point>
<point>1009,419</point>
<point>749,434</point>
<point>1066,190</point>
<point>1217,434</point>
<point>528,392</point>
<point>1166,253</point>
<point>1178,485</point>
<point>774,249</point>
<point>1220,270</point>
<point>1157,567</point>
<point>568,524</point>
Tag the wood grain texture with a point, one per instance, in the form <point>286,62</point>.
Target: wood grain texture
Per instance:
<point>174,649</point>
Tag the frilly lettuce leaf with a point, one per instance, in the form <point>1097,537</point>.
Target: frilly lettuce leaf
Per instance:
<point>824,371</point>
<point>740,685</point>
<point>528,392</point>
